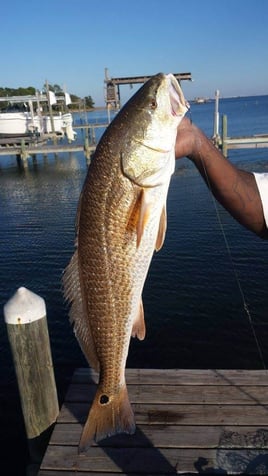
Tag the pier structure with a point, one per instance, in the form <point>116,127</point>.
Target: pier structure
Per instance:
<point>258,141</point>
<point>225,142</point>
<point>187,422</point>
<point>112,85</point>
<point>25,147</point>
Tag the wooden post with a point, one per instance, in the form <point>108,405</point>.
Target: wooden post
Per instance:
<point>23,153</point>
<point>87,149</point>
<point>224,135</point>
<point>25,317</point>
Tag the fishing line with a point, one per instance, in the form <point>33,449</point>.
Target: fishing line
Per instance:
<point>246,308</point>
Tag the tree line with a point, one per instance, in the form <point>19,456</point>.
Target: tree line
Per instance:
<point>76,101</point>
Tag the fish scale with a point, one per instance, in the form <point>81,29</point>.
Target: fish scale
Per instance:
<point>121,220</point>
<point>110,263</point>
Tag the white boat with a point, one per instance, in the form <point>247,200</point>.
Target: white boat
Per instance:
<point>201,100</point>
<point>22,120</point>
<point>13,124</point>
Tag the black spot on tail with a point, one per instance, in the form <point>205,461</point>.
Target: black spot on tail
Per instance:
<point>104,399</point>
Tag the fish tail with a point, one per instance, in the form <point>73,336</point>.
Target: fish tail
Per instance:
<point>107,416</point>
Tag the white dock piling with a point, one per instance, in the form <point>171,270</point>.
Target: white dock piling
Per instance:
<point>25,317</point>
<point>216,133</point>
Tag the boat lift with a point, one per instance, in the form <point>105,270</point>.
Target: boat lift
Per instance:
<point>112,91</point>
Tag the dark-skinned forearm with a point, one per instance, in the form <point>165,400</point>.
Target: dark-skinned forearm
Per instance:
<point>235,189</point>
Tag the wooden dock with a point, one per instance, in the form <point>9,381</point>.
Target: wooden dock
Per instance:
<point>188,422</point>
<point>24,151</point>
<point>225,142</point>
<point>250,142</point>
<point>25,147</point>
<point>32,150</point>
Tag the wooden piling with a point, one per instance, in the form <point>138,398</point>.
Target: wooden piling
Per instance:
<point>25,317</point>
<point>23,153</point>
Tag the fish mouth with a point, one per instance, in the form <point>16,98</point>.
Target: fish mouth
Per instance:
<point>178,103</point>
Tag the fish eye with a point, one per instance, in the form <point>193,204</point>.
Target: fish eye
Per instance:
<point>153,103</point>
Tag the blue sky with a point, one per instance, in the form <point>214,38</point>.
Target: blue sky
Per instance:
<point>224,44</point>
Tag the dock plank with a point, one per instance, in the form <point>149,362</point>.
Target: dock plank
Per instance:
<point>153,460</point>
<point>159,414</point>
<point>182,377</point>
<point>174,436</point>
<point>188,421</point>
<point>194,394</point>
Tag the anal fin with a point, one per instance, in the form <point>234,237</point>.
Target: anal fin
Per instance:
<point>162,229</point>
<point>139,329</point>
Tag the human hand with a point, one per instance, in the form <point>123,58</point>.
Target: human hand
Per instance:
<point>186,139</point>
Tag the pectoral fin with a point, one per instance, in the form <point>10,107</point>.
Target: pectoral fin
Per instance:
<point>139,216</point>
<point>138,329</point>
<point>162,229</point>
<point>143,216</point>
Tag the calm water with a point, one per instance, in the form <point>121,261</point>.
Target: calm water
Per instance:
<point>194,310</point>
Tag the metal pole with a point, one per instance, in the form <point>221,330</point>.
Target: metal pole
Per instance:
<point>224,136</point>
<point>216,115</point>
<point>50,113</point>
<point>39,112</point>
<point>108,113</point>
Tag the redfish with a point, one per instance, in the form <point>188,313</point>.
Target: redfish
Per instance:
<point>121,220</point>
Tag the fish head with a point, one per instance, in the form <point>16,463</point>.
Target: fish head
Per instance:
<point>156,110</point>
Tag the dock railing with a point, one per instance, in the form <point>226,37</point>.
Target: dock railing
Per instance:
<point>225,143</point>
